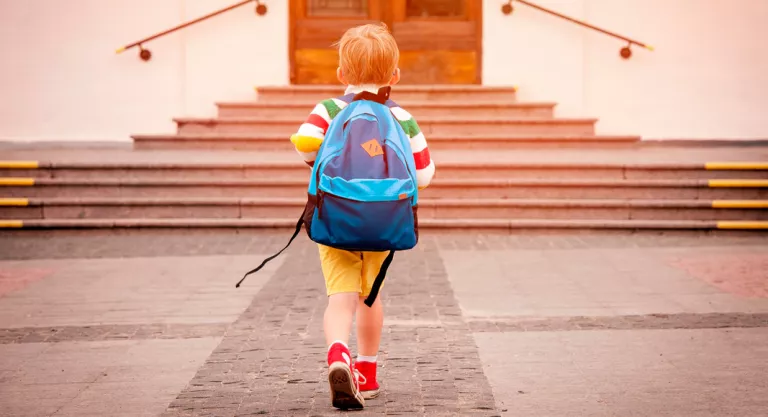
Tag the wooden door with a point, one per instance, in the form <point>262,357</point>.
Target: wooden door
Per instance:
<point>315,26</point>
<point>440,40</point>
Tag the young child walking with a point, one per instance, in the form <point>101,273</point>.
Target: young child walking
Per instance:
<point>368,64</point>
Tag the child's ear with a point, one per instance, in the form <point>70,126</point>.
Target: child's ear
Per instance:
<point>340,76</point>
<point>395,77</point>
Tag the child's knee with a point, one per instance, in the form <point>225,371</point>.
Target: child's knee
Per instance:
<point>344,300</point>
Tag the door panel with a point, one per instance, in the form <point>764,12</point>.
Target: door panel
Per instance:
<point>439,40</point>
<point>435,8</point>
<point>429,36</point>
<point>315,26</point>
<point>438,67</point>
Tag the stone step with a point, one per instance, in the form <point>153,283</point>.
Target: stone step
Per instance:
<point>233,208</point>
<point>433,93</point>
<point>447,170</point>
<point>731,189</point>
<point>434,125</point>
<point>270,142</point>
<point>419,109</point>
<point>466,225</point>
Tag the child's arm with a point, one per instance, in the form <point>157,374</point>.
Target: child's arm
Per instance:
<point>425,166</point>
<point>311,133</point>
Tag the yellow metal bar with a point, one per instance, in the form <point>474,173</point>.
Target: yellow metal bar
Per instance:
<point>120,50</point>
<point>11,224</point>
<point>19,164</point>
<point>650,48</point>
<point>740,204</point>
<point>742,225</point>
<point>738,183</point>
<point>19,202</point>
<point>713,166</point>
<point>17,181</point>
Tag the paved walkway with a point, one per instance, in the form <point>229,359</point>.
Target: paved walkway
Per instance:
<point>529,325</point>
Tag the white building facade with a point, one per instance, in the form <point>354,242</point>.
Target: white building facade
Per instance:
<point>60,78</point>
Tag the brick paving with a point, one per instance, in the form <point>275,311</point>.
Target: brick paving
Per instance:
<point>272,360</point>
<point>629,322</point>
<point>110,332</point>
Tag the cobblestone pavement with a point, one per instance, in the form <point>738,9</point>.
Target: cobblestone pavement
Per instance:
<point>31,244</point>
<point>272,360</point>
<point>529,324</point>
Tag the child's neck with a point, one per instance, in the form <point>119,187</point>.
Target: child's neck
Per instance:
<point>354,89</point>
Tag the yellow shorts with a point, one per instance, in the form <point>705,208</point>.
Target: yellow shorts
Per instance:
<point>347,271</point>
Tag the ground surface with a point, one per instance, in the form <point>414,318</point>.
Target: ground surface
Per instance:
<point>528,325</point>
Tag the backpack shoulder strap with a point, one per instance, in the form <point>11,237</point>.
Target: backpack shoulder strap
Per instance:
<point>258,268</point>
<point>379,279</point>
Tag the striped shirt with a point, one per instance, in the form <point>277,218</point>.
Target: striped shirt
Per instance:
<point>312,132</point>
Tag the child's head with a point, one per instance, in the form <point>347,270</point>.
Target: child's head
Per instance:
<point>368,54</point>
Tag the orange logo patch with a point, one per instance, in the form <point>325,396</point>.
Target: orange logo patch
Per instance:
<point>373,147</point>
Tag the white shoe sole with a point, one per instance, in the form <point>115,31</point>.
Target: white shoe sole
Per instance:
<point>344,394</point>
<point>371,394</point>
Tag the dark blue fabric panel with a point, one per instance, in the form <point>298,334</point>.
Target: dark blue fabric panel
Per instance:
<point>353,225</point>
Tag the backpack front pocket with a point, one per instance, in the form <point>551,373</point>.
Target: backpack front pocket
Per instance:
<point>364,226</point>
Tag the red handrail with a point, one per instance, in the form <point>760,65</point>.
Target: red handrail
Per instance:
<point>146,55</point>
<point>626,52</point>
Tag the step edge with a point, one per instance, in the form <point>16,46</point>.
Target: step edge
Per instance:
<point>666,183</point>
<point>468,165</point>
<point>423,203</point>
<point>422,120</point>
<point>280,137</point>
<point>426,224</point>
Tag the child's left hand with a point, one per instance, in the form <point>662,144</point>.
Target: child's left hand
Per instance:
<point>306,144</point>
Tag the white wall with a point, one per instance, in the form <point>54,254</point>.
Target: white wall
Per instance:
<point>61,80</point>
<point>708,77</point>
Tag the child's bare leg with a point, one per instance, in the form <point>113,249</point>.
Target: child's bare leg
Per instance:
<point>339,315</point>
<point>370,321</point>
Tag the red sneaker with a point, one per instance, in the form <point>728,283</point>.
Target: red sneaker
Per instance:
<point>369,388</point>
<point>345,390</point>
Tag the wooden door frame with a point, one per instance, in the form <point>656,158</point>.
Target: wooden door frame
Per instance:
<point>297,11</point>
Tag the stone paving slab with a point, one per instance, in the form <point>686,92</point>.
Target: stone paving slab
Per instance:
<point>592,282</point>
<point>115,378</point>
<point>130,291</point>
<point>692,373</point>
<point>734,272</point>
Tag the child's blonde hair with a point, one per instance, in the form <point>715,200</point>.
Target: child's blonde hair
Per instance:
<point>368,54</point>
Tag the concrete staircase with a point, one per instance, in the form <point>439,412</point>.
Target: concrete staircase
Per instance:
<point>502,165</point>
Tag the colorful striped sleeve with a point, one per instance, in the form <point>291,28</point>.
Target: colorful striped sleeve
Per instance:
<point>425,166</point>
<point>312,132</point>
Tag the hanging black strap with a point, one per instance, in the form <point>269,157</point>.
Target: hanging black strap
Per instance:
<point>379,279</point>
<point>381,97</point>
<point>295,233</point>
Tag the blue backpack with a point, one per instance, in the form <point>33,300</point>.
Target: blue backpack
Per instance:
<point>363,192</point>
